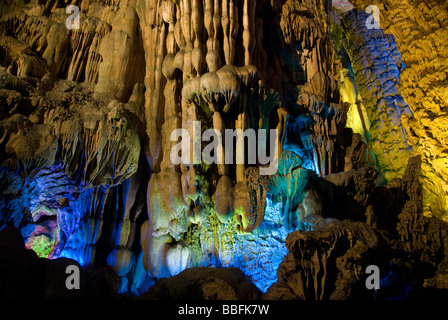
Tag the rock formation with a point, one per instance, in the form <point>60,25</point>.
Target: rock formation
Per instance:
<point>167,144</point>
<point>327,263</point>
<point>205,284</point>
<point>418,29</point>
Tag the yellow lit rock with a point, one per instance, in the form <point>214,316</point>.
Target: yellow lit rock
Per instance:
<point>420,31</point>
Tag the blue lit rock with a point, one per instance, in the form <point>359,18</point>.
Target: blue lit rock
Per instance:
<point>289,184</point>
<point>154,250</point>
<point>327,263</point>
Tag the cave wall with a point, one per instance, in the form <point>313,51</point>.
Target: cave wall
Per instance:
<point>86,125</point>
<point>419,28</point>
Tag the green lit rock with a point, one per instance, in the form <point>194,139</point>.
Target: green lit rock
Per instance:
<point>289,184</point>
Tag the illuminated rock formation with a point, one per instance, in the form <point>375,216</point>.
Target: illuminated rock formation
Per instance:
<point>163,136</point>
<point>418,29</point>
<point>326,263</point>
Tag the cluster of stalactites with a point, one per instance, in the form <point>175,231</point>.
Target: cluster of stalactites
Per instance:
<point>383,107</point>
<point>200,67</point>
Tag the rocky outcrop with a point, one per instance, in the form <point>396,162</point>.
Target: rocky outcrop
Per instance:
<point>204,284</point>
<point>418,29</point>
<point>164,136</point>
<point>328,263</point>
